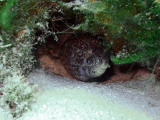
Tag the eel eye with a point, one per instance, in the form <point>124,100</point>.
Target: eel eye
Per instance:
<point>89,53</point>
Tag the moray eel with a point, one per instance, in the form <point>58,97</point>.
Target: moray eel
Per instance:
<point>84,59</point>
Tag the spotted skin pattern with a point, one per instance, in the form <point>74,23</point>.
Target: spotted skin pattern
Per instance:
<point>84,58</point>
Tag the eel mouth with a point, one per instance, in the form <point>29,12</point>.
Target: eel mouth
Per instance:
<point>100,68</point>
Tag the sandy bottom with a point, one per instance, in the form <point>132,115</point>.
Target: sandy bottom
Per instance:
<point>60,98</point>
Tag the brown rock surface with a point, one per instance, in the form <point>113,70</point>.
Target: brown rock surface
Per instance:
<point>158,73</point>
<point>53,65</point>
<point>139,74</point>
<point>49,62</point>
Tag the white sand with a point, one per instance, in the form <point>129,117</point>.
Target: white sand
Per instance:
<point>64,99</point>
